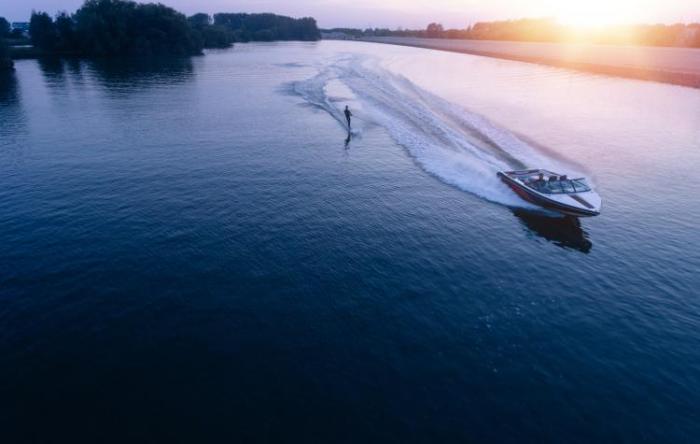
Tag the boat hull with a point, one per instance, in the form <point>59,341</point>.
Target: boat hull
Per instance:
<point>542,201</point>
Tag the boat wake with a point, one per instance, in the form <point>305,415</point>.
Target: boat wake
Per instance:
<point>457,146</point>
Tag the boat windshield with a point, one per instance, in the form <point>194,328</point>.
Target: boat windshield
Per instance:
<point>580,185</point>
<point>559,186</point>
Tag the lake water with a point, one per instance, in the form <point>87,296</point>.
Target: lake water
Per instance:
<point>194,250</point>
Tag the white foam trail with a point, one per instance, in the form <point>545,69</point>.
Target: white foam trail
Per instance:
<point>459,147</point>
<point>314,92</point>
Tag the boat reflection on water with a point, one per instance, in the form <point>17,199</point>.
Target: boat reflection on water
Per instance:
<point>563,231</point>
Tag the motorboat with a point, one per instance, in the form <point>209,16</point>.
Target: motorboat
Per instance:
<point>573,197</point>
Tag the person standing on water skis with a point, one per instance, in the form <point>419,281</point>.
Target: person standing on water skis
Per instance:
<point>348,114</point>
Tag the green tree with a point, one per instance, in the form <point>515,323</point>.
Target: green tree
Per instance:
<point>5,59</point>
<point>217,37</point>
<point>65,31</point>
<point>43,31</point>
<point>117,27</point>
<point>268,26</point>
<point>264,35</point>
<point>695,35</point>
<point>434,30</point>
<point>4,27</point>
<point>212,36</point>
<point>199,20</point>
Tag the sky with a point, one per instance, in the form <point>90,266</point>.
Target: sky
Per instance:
<point>415,13</point>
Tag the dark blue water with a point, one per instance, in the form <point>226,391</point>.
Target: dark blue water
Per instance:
<point>192,252</point>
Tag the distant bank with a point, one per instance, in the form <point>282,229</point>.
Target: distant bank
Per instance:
<point>678,66</point>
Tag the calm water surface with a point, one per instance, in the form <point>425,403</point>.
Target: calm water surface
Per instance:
<point>194,250</point>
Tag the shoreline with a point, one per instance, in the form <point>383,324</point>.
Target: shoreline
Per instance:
<point>676,66</point>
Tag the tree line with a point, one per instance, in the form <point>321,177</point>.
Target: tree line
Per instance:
<point>6,62</point>
<point>268,27</point>
<point>548,30</point>
<point>5,33</point>
<point>102,28</point>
